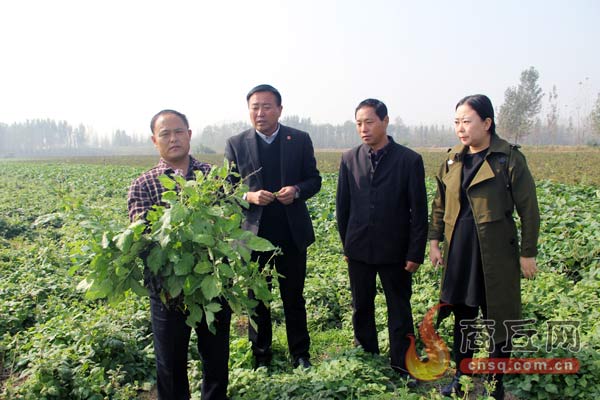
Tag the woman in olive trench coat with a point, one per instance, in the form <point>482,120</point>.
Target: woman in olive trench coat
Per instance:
<point>501,183</point>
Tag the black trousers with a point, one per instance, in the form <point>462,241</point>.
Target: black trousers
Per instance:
<point>292,265</point>
<point>397,287</point>
<point>464,330</point>
<point>171,341</point>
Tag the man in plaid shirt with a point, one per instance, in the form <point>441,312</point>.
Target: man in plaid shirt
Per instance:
<point>171,136</point>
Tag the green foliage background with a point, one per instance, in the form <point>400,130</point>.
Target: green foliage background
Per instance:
<point>55,344</point>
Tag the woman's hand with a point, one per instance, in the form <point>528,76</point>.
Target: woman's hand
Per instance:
<point>528,267</point>
<point>435,254</point>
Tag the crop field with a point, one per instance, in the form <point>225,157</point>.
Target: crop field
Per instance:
<point>55,344</point>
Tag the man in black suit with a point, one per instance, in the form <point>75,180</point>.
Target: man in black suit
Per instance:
<point>381,209</point>
<point>278,164</point>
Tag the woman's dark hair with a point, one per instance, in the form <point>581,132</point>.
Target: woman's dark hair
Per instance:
<point>482,106</point>
<point>377,105</point>
<point>265,88</point>
<point>163,112</point>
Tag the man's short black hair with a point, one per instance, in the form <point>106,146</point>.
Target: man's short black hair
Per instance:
<point>377,105</point>
<point>167,111</point>
<point>265,88</point>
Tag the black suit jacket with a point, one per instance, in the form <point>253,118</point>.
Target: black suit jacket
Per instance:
<point>298,167</point>
<point>382,213</point>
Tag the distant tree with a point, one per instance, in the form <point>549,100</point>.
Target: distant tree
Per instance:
<point>595,117</point>
<point>121,138</point>
<point>398,130</point>
<point>4,140</point>
<point>202,149</point>
<point>553,116</point>
<point>521,105</point>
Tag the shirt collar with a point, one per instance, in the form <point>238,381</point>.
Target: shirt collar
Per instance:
<point>381,151</point>
<point>269,139</point>
<point>164,167</point>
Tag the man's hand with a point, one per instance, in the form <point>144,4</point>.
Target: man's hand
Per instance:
<point>260,198</point>
<point>411,266</point>
<point>286,195</point>
<point>528,267</point>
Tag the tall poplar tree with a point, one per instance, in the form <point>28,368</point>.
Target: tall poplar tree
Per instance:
<point>521,104</point>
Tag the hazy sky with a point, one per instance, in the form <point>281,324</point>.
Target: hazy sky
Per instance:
<point>113,64</point>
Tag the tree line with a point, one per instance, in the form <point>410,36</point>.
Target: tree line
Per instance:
<point>49,137</point>
<point>519,120</point>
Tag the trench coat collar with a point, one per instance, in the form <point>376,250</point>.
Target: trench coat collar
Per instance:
<point>497,145</point>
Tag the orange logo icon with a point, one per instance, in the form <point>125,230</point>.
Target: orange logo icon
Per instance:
<point>437,352</point>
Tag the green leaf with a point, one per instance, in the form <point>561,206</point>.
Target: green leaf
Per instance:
<point>121,270</point>
<point>210,318</point>
<point>138,227</point>
<point>185,264</point>
<point>173,255</point>
<point>174,285</point>
<point>195,315</point>
<point>261,290</point>
<point>226,250</point>
<point>169,196</point>
<point>203,267</point>
<point>215,211</point>
<point>551,388</point>
<point>199,223</point>
<point>244,203</point>
<point>178,213</point>
<point>244,253</point>
<point>156,259</point>
<point>256,243</point>
<point>210,287</point>
<point>191,283</point>
<point>123,240</point>
<point>137,288</point>
<point>213,307</point>
<point>167,182</point>
<point>180,180</point>
<point>99,290</point>
<point>206,240</point>
<point>223,171</point>
<point>226,271</point>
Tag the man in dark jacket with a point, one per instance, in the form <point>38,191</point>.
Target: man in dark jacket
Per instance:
<point>278,165</point>
<point>381,209</point>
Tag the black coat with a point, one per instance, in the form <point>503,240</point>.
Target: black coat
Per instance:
<point>382,213</point>
<point>298,167</point>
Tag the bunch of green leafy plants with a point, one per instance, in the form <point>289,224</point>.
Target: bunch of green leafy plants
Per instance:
<point>192,244</point>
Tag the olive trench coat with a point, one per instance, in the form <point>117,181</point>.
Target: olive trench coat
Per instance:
<point>502,184</point>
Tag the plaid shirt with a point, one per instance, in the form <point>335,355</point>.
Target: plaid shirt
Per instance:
<point>147,190</point>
